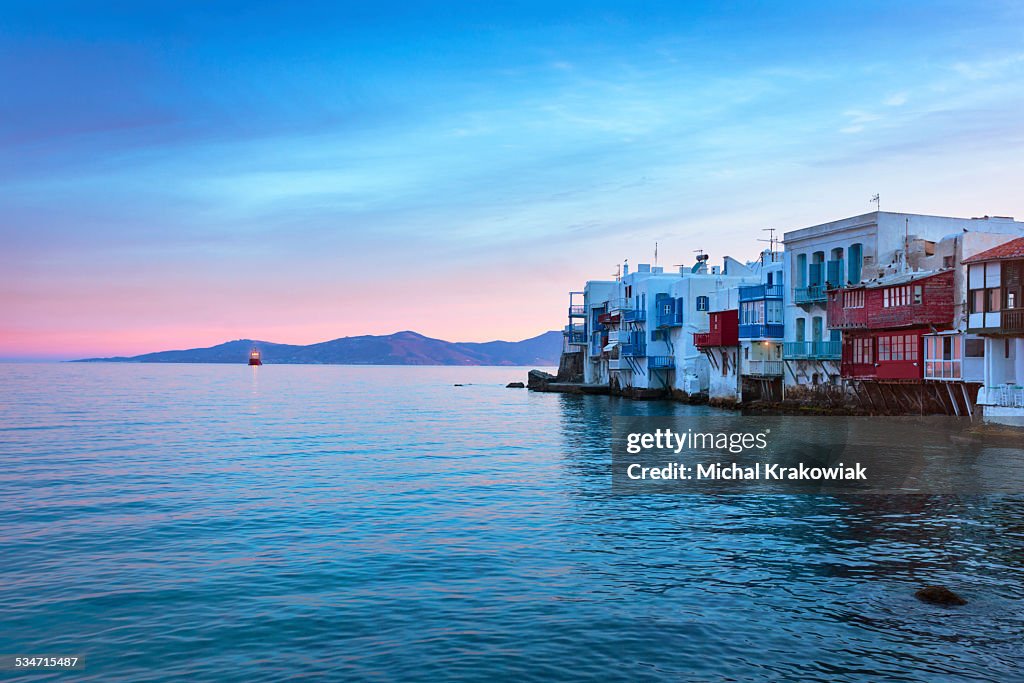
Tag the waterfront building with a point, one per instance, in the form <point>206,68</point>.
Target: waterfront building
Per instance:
<point>720,345</point>
<point>761,330</point>
<point>619,314</point>
<point>638,329</point>
<point>688,307</point>
<point>995,295</point>
<point>842,254</point>
<point>905,343</point>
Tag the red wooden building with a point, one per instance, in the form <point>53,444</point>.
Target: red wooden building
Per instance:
<point>883,322</point>
<point>723,330</point>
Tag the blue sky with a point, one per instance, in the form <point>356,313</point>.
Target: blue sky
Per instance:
<point>176,174</point>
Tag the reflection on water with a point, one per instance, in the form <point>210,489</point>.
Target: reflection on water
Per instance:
<point>236,523</point>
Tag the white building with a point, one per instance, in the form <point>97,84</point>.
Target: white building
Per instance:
<point>955,359</point>
<point>639,328</point>
<point>690,299</point>
<point>761,330</point>
<point>834,254</point>
<point>995,294</point>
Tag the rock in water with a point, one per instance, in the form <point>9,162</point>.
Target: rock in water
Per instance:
<point>538,380</point>
<point>939,595</point>
<point>515,385</point>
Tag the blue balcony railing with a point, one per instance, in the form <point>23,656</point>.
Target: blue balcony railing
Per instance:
<point>637,350</point>
<point>634,315</point>
<point>809,295</point>
<point>762,331</point>
<point>577,311</point>
<point>575,337</point>
<point>670,318</point>
<point>661,362</point>
<point>755,292</point>
<point>812,350</point>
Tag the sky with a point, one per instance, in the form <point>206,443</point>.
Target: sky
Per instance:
<point>181,174</point>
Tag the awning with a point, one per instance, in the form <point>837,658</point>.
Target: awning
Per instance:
<point>611,346</point>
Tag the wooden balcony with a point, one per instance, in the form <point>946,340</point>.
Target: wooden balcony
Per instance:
<point>763,368</point>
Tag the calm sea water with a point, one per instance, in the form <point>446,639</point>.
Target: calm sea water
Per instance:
<point>226,523</point>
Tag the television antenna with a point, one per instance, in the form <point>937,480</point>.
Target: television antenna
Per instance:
<point>771,242</point>
<point>877,200</point>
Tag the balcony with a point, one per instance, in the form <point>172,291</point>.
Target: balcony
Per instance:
<point>1004,396</point>
<point>809,295</point>
<point>812,350</point>
<point>670,319</point>
<point>620,337</point>
<point>575,337</point>
<point>764,368</point>
<point>633,350</point>
<point>597,343</point>
<point>615,305</point>
<point>769,331</point>
<point>702,339</point>
<point>577,311</point>
<point>634,315</point>
<point>661,362</point>
<point>608,319</point>
<point>755,292</point>
<point>1011,320</point>
<point>618,364</point>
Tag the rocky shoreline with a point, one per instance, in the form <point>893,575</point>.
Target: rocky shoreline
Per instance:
<point>807,404</point>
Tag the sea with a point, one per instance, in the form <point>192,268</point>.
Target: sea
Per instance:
<point>170,522</point>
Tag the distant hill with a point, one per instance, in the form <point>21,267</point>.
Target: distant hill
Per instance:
<point>401,348</point>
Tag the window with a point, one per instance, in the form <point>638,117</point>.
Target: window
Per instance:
<point>947,261</point>
<point>899,347</point>
<point>974,348</point>
<point>918,294</point>
<point>774,312</point>
<point>896,296</point>
<point>862,349</point>
<point>1011,299</point>
<point>977,299</point>
<point>629,291</point>
<point>853,298</point>
<point>942,356</point>
<point>993,299</point>
<point>855,255</point>
<point>702,303</point>
<point>801,329</point>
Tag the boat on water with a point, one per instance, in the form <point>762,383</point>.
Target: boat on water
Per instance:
<point>254,357</point>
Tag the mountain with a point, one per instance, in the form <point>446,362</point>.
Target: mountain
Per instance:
<point>401,348</point>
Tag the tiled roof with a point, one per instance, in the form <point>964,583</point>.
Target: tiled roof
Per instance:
<point>1013,249</point>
